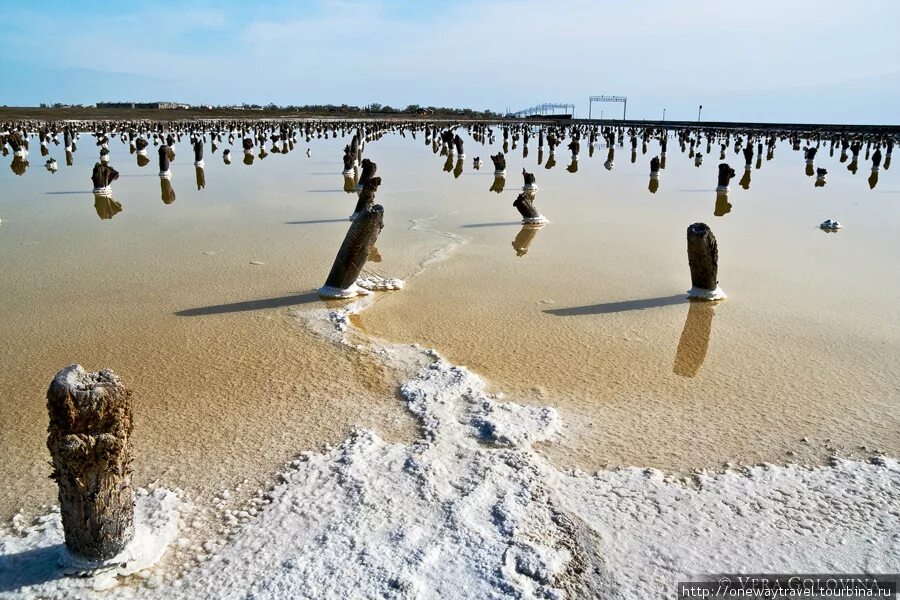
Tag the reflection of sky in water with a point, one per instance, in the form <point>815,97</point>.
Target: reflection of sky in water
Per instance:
<point>583,313</point>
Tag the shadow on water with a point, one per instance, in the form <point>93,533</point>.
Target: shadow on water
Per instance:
<point>498,224</point>
<point>318,221</point>
<point>614,307</point>
<point>261,304</point>
<point>28,568</point>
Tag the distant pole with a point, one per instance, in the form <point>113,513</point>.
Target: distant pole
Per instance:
<point>664,114</point>
<point>698,113</point>
<point>590,106</point>
<point>624,108</point>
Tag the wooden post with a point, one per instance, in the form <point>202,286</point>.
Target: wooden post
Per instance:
<point>164,161</point>
<point>198,153</point>
<point>88,439</point>
<point>527,210</point>
<point>366,196</point>
<point>351,258</point>
<point>703,259</point>
<point>102,176</point>
<point>529,182</point>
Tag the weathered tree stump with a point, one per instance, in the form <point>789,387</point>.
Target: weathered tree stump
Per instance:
<point>703,260</point>
<point>226,156</point>
<point>527,210</point>
<point>654,166</point>
<point>352,256</point>
<point>88,439</point>
<point>575,147</point>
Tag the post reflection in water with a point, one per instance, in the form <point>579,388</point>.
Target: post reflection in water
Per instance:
<point>723,207</point>
<point>457,171</point>
<point>694,340</point>
<point>166,191</point>
<point>525,237</point>
<point>551,161</point>
<point>745,180</point>
<point>19,165</point>
<point>106,206</point>
<point>350,184</point>
<point>448,164</point>
<point>499,183</point>
<point>201,177</point>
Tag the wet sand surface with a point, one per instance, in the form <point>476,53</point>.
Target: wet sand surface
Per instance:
<point>592,319</point>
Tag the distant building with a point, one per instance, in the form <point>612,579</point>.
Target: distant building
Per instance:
<point>150,105</point>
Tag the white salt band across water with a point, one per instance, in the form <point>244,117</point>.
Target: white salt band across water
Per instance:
<point>702,294</point>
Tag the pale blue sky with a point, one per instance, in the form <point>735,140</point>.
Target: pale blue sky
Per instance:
<point>779,60</point>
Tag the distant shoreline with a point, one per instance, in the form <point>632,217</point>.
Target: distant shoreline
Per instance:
<point>102,114</point>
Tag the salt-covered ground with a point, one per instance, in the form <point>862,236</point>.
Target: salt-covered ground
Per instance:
<point>470,510</point>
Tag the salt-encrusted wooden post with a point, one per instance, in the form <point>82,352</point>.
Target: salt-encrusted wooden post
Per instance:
<point>164,162</point>
<point>88,439</point>
<point>703,259</point>
<point>198,152</point>
<point>351,258</point>
<point>529,213</point>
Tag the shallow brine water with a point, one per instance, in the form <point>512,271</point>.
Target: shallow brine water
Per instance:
<point>192,303</point>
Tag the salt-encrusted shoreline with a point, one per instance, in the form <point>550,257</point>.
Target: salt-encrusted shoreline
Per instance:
<point>472,510</point>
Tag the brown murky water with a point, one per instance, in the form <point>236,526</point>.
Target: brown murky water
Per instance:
<point>586,314</point>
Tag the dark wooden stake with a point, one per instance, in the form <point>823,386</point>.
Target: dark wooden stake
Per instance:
<point>163,159</point>
<point>354,251</point>
<point>88,439</point>
<point>527,210</point>
<point>703,259</point>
